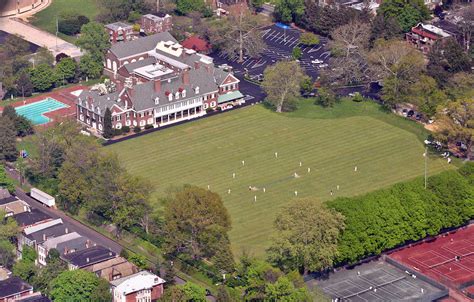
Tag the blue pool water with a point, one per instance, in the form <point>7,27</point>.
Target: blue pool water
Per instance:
<point>34,111</point>
<point>282,25</point>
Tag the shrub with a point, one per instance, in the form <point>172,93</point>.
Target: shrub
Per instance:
<point>309,39</point>
<point>148,126</point>
<point>117,132</point>
<point>137,129</point>
<point>125,129</point>
<point>358,97</point>
<point>70,23</point>
<point>209,110</point>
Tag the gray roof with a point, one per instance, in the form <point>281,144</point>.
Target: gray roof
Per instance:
<point>144,94</point>
<point>30,217</point>
<point>77,244</point>
<point>141,45</point>
<point>4,193</point>
<point>102,101</point>
<point>118,25</point>
<point>53,231</point>
<point>89,256</point>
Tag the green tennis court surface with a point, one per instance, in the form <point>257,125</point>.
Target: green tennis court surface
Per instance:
<point>35,111</point>
<point>331,142</point>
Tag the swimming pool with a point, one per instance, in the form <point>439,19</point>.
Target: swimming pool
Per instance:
<point>35,111</point>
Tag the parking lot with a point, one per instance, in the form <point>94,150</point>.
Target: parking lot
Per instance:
<point>280,42</point>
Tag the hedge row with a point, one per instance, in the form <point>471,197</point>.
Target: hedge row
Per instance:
<point>403,213</point>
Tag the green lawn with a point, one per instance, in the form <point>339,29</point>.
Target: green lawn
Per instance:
<point>46,19</point>
<point>385,148</point>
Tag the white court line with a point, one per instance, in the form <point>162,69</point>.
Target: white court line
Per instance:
<point>275,36</point>
<point>325,54</point>
<point>266,32</point>
<point>291,40</point>
<point>281,37</point>
<point>294,43</point>
<point>272,34</point>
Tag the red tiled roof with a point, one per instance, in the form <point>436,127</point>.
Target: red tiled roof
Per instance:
<point>196,43</point>
<point>424,33</point>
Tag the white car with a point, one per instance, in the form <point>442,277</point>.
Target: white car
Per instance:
<point>323,65</point>
<point>317,61</point>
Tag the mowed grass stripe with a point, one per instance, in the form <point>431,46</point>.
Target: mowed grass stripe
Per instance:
<point>208,151</point>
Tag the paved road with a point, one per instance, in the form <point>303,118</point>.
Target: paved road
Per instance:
<point>39,37</point>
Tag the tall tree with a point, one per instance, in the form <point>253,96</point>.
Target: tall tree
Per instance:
<point>23,126</point>
<point>398,66</point>
<point>42,77</point>
<point>78,285</point>
<point>8,149</point>
<point>384,28</point>
<point>196,224</point>
<point>307,238</point>
<point>94,39</point>
<point>426,95</point>
<point>66,69</point>
<point>23,84</point>
<point>289,10</point>
<point>108,130</point>
<point>455,124</point>
<point>408,13</point>
<point>5,181</point>
<point>238,35</point>
<point>90,67</point>
<point>282,83</point>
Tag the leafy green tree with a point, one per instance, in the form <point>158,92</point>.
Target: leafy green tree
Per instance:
<point>446,58</point>
<point>8,149</point>
<point>308,234</point>
<point>306,85</point>
<point>7,253</point>
<point>42,77</point>
<point>455,124</point>
<point>196,224</point>
<point>289,10</point>
<point>185,6</point>
<point>284,290</point>
<point>24,269</point>
<point>426,95</point>
<point>460,86</point>
<point>23,84</point>
<point>66,69</point>
<point>45,274</point>
<point>14,46</point>
<point>90,67</point>
<point>296,53</point>
<point>308,38</point>
<point>23,126</point>
<point>408,13</point>
<point>78,285</point>
<point>108,130</point>
<point>76,173</point>
<point>326,97</point>
<point>398,66</point>
<point>189,292</point>
<point>384,28</point>
<point>95,40</point>
<point>282,83</point>
<point>5,181</point>
<point>256,4</point>
<point>138,260</point>
<point>70,22</point>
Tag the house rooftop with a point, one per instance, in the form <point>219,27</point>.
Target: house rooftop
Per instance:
<point>4,192</point>
<point>47,233</point>
<point>436,30</point>
<point>89,256</point>
<point>52,243</point>
<point>141,45</point>
<point>13,286</point>
<point>42,226</point>
<point>117,266</point>
<point>118,25</point>
<point>35,298</point>
<point>136,282</point>
<point>14,207</point>
<point>155,17</point>
<point>8,199</point>
<point>31,217</point>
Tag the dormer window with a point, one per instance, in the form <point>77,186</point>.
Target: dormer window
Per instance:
<point>176,95</point>
<point>196,90</point>
<point>157,100</point>
<point>98,110</point>
<point>183,93</point>
<point>170,97</point>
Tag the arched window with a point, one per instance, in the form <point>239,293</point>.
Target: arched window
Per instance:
<point>157,100</point>
<point>114,66</point>
<point>109,64</point>
<point>196,90</point>
<point>176,95</point>
<point>170,97</point>
<point>183,93</point>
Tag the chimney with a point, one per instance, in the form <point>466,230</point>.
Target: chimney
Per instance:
<point>157,85</point>
<point>66,230</point>
<point>186,77</point>
<point>87,243</point>
<point>197,64</point>
<point>65,250</point>
<point>44,237</point>
<point>208,68</point>
<point>110,253</point>
<point>87,259</point>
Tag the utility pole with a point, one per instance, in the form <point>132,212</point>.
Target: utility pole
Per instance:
<point>57,31</point>
<point>426,166</point>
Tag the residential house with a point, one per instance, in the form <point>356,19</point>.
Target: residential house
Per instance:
<point>423,36</point>
<point>64,244</point>
<point>112,269</point>
<point>34,235</point>
<point>31,218</point>
<point>89,256</point>
<point>152,24</point>
<point>13,288</point>
<point>10,204</point>
<point>158,82</point>
<point>142,286</point>
<point>120,32</point>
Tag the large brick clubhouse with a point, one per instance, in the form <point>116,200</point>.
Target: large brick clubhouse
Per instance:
<point>158,82</point>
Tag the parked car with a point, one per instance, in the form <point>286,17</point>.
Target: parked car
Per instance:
<point>405,112</point>
<point>317,61</point>
<point>323,65</point>
<point>410,113</point>
<point>418,116</point>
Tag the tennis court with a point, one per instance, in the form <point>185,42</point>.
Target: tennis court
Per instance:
<point>448,259</point>
<point>378,281</point>
<point>36,111</point>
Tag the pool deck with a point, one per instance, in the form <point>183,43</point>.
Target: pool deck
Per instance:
<point>61,95</point>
